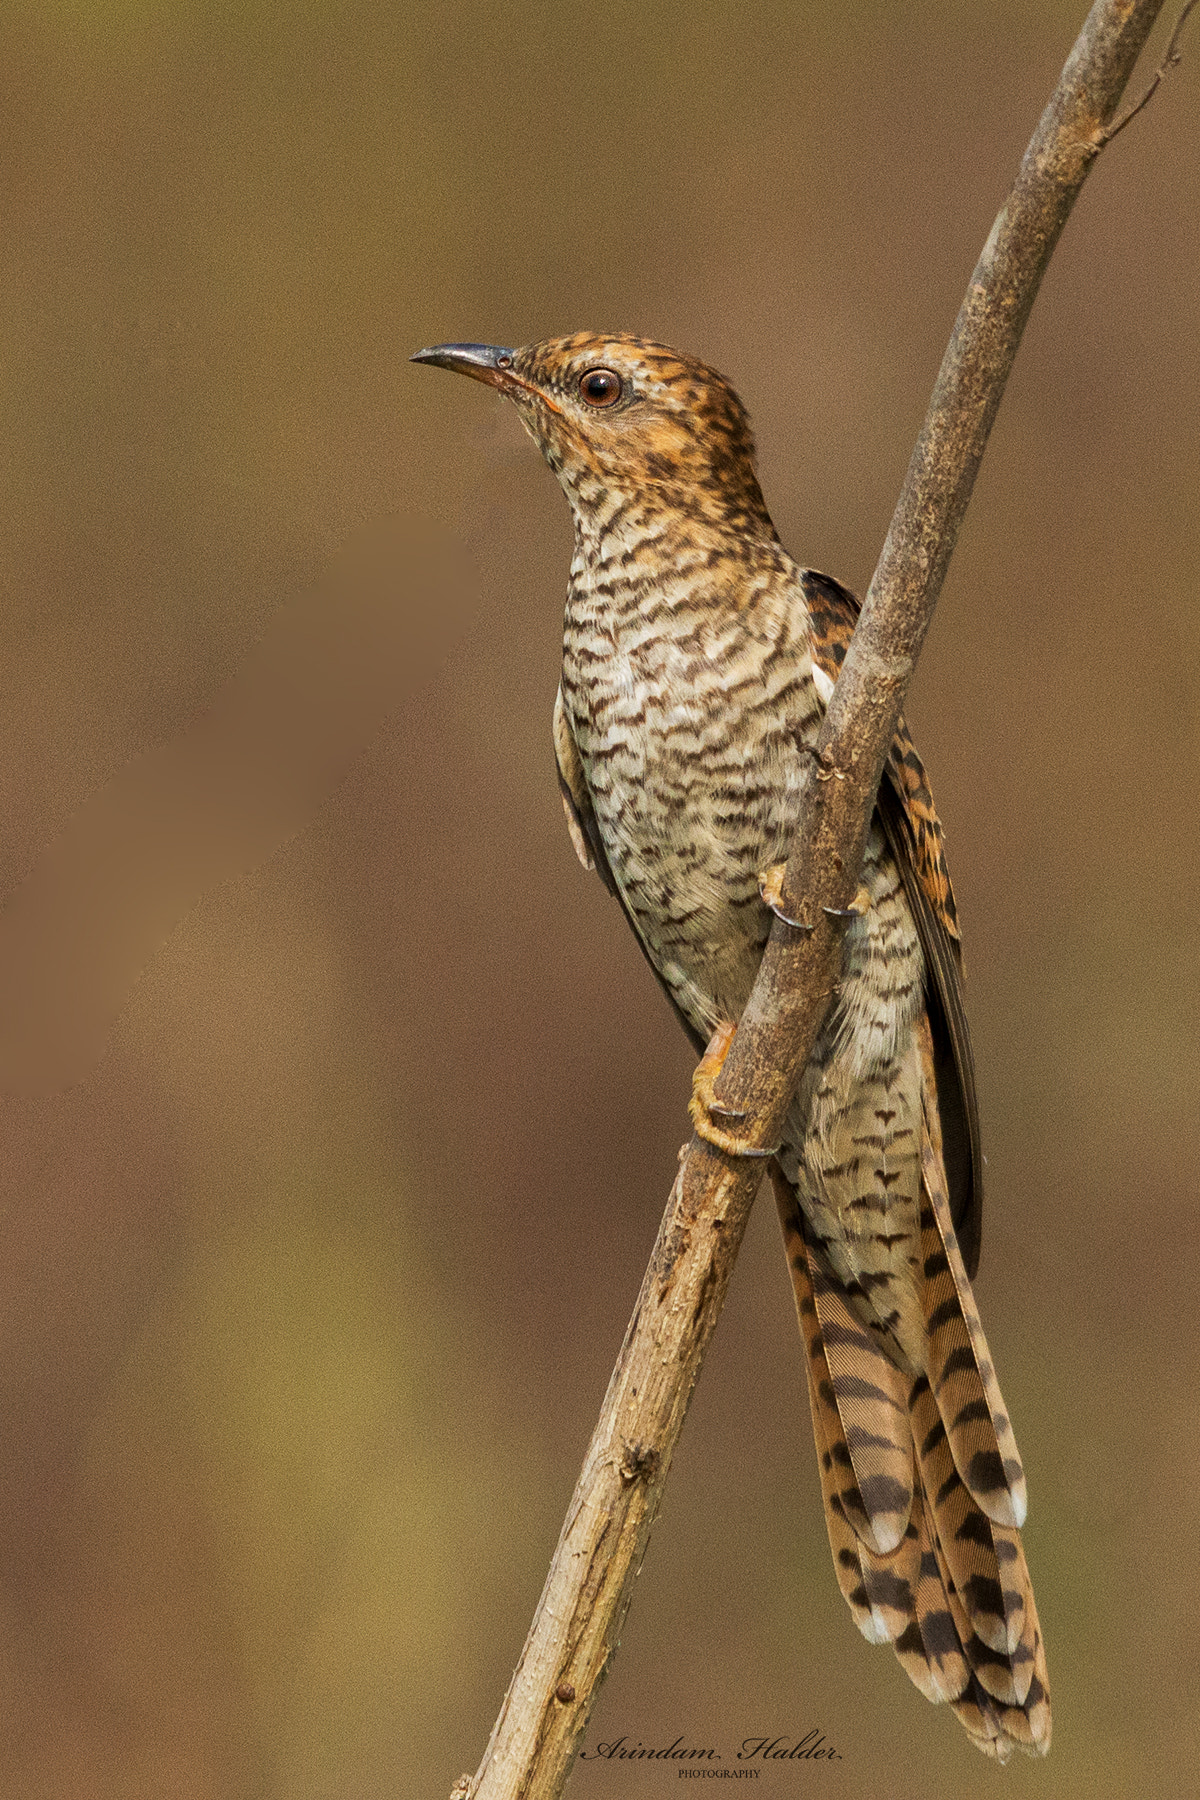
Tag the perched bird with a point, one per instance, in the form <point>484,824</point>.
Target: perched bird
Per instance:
<point>697,662</point>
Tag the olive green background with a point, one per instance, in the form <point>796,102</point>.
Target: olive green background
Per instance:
<point>340,1107</point>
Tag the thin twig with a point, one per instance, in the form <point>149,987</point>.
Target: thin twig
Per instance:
<point>577,1625</point>
<point>1169,61</point>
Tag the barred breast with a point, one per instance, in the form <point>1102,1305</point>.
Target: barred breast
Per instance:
<point>691,719</point>
<point>694,721</point>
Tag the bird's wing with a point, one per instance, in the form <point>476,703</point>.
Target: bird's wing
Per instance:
<point>577,802</point>
<point>834,612</point>
<point>589,846</point>
<point>906,812</point>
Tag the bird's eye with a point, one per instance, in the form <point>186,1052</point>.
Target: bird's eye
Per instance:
<point>600,387</point>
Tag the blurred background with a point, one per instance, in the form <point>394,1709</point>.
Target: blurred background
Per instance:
<point>339,1107</point>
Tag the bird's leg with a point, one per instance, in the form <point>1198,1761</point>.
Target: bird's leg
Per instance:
<point>704,1104</point>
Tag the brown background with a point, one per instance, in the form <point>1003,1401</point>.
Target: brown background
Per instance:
<point>341,1108</point>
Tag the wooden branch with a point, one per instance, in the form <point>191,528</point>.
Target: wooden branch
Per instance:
<point>577,1625</point>
<point>1171,59</point>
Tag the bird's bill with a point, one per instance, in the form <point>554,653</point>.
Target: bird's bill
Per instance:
<point>482,362</point>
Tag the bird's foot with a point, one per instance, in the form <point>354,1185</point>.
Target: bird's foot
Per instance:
<point>704,1109</point>
<point>770,887</point>
<point>860,904</point>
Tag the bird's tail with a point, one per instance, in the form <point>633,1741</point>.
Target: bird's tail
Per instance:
<point>923,1487</point>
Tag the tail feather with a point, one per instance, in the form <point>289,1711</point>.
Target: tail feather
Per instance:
<point>930,1650</point>
<point>989,1709</point>
<point>953,1593</point>
<point>960,1369</point>
<point>868,1435</point>
<point>890,1583</point>
<point>873,1587</point>
<point>985,1561</point>
<point>992,1669</point>
<point>1028,1723</point>
<point>934,1648</point>
<point>981,1721</point>
<point>879,1589</point>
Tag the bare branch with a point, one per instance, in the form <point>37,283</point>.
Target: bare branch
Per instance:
<point>578,1621</point>
<point>1169,61</point>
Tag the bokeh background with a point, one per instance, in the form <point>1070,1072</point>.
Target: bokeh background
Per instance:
<point>339,1108</point>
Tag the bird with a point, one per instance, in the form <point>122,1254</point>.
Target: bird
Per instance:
<point>698,661</point>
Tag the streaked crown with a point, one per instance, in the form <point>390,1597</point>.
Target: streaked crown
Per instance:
<point>639,416</point>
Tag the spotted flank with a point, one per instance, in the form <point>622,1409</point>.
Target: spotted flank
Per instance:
<point>698,661</point>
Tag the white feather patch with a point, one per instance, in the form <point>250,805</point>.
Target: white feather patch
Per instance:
<point>823,684</point>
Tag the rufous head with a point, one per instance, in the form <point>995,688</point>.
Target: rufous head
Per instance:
<point>620,417</point>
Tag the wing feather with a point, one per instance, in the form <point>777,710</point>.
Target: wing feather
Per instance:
<point>906,812</point>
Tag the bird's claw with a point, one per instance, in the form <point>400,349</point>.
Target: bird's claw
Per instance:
<point>860,904</point>
<point>770,887</point>
<point>704,1108</point>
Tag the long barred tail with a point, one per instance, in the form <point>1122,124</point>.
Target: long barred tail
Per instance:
<point>923,1488</point>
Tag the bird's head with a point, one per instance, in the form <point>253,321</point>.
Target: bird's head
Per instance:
<point>621,420</point>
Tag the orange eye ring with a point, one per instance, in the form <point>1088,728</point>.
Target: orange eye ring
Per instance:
<point>600,387</point>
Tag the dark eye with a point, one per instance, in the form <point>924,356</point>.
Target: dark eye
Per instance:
<point>600,387</point>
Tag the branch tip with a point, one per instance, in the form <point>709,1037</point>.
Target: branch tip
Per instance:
<point>1171,60</point>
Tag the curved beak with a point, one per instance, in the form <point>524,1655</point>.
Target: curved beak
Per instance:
<point>482,362</point>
